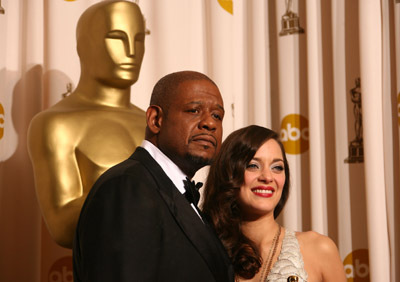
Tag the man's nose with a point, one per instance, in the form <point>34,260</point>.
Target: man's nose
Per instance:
<point>208,122</point>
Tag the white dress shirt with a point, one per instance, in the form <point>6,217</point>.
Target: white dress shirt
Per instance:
<point>169,167</point>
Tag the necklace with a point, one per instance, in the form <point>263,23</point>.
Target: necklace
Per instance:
<point>271,254</point>
<point>267,264</point>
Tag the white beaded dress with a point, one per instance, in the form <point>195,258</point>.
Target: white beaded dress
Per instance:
<point>290,262</point>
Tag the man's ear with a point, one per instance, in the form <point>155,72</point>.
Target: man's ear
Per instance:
<point>154,116</point>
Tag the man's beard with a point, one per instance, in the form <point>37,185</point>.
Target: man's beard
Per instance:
<point>198,161</point>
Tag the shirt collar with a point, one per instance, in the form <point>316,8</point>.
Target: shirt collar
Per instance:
<point>169,167</point>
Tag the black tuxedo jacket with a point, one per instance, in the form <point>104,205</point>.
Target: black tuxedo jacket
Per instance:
<point>136,226</point>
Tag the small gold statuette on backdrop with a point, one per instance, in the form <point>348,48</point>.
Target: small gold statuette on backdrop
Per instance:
<point>69,90</point>
<point>2,11</point>
<point>356,148</point>
<point>290,22</point>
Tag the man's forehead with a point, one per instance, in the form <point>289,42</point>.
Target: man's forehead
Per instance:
<point>198,98</point>
<point>204,102</point>
<point>185,104</point>
<point>198,87</point>
<point>198,92</point>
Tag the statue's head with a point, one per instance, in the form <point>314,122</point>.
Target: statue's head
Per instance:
<point>110,42</point>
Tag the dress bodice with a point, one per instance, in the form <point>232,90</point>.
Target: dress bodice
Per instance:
<point>289,263</point>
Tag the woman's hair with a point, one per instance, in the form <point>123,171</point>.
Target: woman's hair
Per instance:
<point>221,192</point>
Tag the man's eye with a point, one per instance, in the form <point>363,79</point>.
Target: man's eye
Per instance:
<point>217,116</point>
<point>193,110</point>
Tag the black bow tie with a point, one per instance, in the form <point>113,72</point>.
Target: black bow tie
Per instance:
<point>192,191</point>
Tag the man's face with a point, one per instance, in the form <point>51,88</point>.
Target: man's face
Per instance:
<point>191,131</point>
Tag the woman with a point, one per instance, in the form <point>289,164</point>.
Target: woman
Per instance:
<point>247,188</point>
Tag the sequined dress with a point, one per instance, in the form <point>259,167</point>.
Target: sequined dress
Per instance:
<point>290,262</point>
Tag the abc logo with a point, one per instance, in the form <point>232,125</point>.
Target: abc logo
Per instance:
<point>61,270</point>
<point>1,121</point>
<point>295,134</point>
<point>356,266</point>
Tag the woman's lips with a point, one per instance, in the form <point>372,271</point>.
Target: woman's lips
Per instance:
<point>263,191</point>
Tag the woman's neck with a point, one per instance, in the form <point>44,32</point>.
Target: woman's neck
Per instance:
<point>260,231</point>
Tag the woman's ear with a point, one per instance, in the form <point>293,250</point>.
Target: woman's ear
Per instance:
<point>154,115</point>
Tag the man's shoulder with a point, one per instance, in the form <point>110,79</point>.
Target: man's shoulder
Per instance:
<point>137,166</point>
<point>121,178</point>
<point>134,165</point>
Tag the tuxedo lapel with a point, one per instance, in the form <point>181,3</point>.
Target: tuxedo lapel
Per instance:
<point>199,233</point>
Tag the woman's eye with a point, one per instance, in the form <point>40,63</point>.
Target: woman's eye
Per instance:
<point>278,168</point>
<point>252,166</point>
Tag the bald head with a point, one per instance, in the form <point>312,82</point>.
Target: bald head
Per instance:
<point>165,88</point>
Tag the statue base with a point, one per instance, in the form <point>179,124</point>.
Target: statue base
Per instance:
<point>356,152</point>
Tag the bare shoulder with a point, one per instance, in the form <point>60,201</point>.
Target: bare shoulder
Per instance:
<point>321,257</point>
<point>316,243</point>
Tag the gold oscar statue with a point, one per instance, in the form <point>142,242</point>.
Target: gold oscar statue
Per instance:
<point>95,127</point>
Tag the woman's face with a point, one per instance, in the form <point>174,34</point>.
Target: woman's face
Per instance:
<point>264,178</point>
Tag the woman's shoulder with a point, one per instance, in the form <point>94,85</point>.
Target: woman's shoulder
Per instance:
<point>321,257</point>
<point>311,241</point>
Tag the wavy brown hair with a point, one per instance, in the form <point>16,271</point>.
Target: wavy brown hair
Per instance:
<point>221,193</point>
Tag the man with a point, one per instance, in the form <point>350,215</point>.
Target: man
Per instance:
<point>73,142</point>
<point>136,224</point>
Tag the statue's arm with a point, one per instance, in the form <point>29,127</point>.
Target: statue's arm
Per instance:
<point>57,178</point>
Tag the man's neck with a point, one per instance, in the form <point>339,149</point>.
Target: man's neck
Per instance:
<point>169,167</point>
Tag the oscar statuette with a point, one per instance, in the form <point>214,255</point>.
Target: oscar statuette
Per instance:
<point>290,22</point>
<point>356,149</point>
<point>2,11</point>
